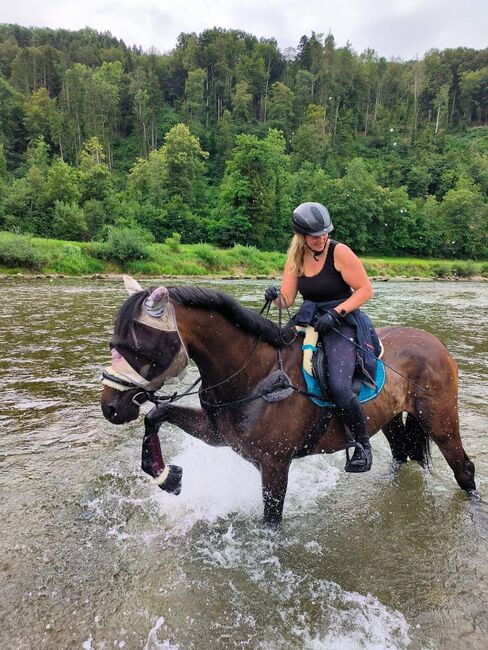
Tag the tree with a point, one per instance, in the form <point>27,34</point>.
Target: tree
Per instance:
<point>69,221</point>
<point>11,123</point>
<point>280,108</point>
<point>311,140</point>
<point>354,202</point>
<point>174,175</point>
<point>464,216</point>
<point>224,141</point>
<point>242,103</point>
<point>254,202</point>
<point>62,183</point>
<point>42,118</point>
<point>95,180</point>
<point>184,167</point>
<point>194,103</point>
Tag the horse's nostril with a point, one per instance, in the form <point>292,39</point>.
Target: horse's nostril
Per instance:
<point>110,412</point>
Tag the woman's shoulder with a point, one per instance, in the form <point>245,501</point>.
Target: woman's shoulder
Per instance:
<point>341,249</point>
<point>343,255</point>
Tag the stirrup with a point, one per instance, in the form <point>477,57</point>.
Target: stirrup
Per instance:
<point>363,461</point>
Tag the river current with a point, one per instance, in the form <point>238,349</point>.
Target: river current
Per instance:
<point>93,556</point>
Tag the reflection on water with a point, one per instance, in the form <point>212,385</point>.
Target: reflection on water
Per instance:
<point>92,556</point>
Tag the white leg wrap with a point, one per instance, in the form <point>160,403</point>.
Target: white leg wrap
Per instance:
<point>159,480</point>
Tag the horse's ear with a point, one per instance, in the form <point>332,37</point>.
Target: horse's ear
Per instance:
<point>155,304</point>
<point>131,285</point>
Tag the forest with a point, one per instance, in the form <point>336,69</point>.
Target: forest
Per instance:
<point>217,140</point>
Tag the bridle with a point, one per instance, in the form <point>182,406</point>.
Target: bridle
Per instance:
<point>121,383</point>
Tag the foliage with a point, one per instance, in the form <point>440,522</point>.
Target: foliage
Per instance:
<point>126,245</point>
<point>219,139</point>
<point>18,251</point>
<point>68,221</point>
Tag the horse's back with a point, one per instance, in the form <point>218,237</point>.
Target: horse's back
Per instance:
<point>417,353</point>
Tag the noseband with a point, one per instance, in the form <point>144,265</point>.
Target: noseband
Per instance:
<point>118,382</point>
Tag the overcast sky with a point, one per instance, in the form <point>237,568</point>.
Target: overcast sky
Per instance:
<point>394,28</point>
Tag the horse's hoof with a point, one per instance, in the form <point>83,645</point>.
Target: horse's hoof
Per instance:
<point>473,495</point>
<point>172,484</point>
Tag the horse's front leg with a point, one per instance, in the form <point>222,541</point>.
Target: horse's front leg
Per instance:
<point>274,479</point>
<point>191,420</point>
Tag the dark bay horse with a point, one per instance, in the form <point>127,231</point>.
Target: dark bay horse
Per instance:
<point>234,349</point>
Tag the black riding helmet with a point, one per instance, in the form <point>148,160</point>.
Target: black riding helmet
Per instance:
<point>311,219</point>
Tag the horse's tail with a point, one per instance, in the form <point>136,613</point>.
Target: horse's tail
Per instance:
<point>408,440</point>
<point>417,442</point>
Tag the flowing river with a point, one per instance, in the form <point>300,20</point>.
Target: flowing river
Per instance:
<point>93,556</point>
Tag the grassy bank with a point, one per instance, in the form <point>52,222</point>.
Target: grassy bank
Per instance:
<point>33,256</point>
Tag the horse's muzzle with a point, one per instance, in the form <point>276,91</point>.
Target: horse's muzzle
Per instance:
<point>119,407</point>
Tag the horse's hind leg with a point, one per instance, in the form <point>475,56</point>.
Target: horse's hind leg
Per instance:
<point>396,436</point>
<point>443,427</point>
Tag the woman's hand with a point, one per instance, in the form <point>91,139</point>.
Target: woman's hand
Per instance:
<point>271,294</point>
<point>328,321</point>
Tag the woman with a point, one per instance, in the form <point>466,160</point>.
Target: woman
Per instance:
<point>333,284</point>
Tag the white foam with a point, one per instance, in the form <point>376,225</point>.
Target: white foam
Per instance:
<point>153,642</point>
<point>217,482</point>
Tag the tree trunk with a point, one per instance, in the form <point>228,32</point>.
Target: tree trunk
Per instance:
<point>335,123</point>
<point>367,112</point>
<point>453,104</point>
<point>376,104</point>
<point>266,91</point>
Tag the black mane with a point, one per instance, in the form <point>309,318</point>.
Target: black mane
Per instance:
<point>241,317</point>
<point>210,300</point>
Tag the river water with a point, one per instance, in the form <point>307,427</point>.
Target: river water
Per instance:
<point>93,556</point>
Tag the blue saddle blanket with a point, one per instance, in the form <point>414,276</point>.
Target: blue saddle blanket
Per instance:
<point>366,393</point>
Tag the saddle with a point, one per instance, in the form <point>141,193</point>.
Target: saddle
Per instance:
<point>315,371</point>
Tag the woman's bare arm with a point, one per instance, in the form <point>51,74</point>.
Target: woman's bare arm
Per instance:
<point>352,270</point>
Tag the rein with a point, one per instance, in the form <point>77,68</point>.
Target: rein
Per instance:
<point>145,395</point>
<point>283,383</point>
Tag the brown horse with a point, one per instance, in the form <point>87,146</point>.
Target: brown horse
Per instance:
<point>234,349</point>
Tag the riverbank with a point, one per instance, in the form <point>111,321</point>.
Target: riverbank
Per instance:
<point>29,257</point>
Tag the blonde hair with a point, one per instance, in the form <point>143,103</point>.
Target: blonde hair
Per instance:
<point>296,252</point>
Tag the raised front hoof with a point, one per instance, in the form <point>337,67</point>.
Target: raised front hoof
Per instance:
<point>172,482</point>
<point>361,460</point>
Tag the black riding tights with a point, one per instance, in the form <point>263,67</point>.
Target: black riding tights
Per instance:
<point>341,362</point>
<point>340,353</point>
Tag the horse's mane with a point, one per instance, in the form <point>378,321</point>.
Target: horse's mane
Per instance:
<point>240,316</point>
<point>210,300</point>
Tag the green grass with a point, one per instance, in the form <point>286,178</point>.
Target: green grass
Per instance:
<point>24,254</point>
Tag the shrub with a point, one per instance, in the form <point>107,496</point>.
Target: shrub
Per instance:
<point>72,260</point>
<point>174,242</point>
<point>69,221</point>
<point>464,269</point>
<point>18,252</point>
<point>212,258</point>
<point>126,245</point>
<point>442,270</point>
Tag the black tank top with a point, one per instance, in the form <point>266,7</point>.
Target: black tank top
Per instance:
<point>327,284</point>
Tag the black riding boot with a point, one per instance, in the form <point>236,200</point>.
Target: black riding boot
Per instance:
<point>353,418</point>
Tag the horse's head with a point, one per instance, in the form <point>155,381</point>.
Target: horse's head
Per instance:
<point>146,350</point>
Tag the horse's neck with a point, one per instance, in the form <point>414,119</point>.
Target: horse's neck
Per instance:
<point>220,349</point>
